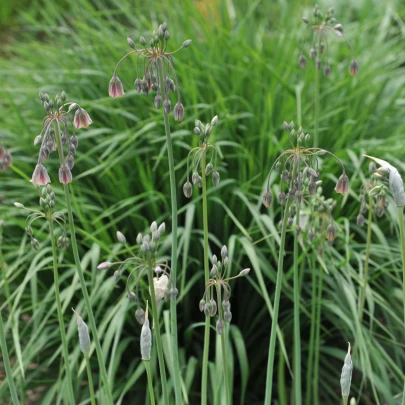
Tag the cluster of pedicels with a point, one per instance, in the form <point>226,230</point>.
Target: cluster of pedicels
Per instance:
<point>47,213</point>
<point>157,73</point>
<point>145,259</point>
<point>299,169</point>
<point>55,135</point>
<point>218,286</point>
<point>374,190</point>
<point>321,25</point>
<point>5,159</point>
<point>203,131</point>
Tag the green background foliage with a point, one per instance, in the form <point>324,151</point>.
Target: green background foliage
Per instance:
<point>241,66</point>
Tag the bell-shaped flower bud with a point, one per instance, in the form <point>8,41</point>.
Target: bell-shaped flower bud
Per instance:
<point>354,67</point>
<point>84,337</point>
<point>220,326</point>
<point>65,175</point>
<point>267,198</point>
<point>82,119</point>
<point>115,88</point>
<point>342,185</point>
<point>178,112</point>
<point>146,337</point>
<point>40,176</point>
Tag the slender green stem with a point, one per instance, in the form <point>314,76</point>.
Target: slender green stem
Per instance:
<point>345,399</point>
<point>3,270</point>
<point>298,91</point>
<point>312,330</point>
<point>402,241</point>
<point>317,97</point>
<point>225,365</point>
<point>158,339</point>
<point>273,333</point>
<point>6,362</point>
<point>366,260</point>
<point>297,336</point>
<point>204,379</point>
<point>146,363</point>
<point>173,270</point>
<point>317,339</point>
<point>79,269</point>
<point>90,379</point>
<point>62,329</point>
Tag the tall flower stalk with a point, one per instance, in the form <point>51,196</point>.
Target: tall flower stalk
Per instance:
<point>160,288</point>
<point>158,74</point>
<point>55,135</point>
<point>198,156</point>
<point>47,203</point>
<point>321,24</point>
<point>299,170</point>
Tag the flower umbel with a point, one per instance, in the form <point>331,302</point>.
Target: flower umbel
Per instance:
<point>55,135</point>
<point>203,131</point>
<point>321,25</point>
<point>158,62</point>
<point>218,286</point>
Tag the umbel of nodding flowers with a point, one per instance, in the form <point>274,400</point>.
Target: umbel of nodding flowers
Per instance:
<point>5,159</point>
<point>321,25</point>
<point>203,132</point>
<point>47,203</point>
<point>218,286</point>
<point>157,63</point>
<point>147,257</point>
<point>55,135</point>
<point>299,168</point>
<point>374,190</point>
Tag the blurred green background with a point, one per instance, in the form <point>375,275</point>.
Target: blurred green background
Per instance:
<point>241,66</point>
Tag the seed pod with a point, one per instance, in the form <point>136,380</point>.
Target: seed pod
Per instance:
<point>146,337</point>
<point>84,337</point>
<point>346,376</point>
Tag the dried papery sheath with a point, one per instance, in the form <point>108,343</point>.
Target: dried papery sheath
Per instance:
<point>391,175</point>
<point>146,337</point>
<point>84,337</point>
<point>346,376</point>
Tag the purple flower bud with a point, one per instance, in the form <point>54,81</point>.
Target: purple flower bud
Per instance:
<point>342,185</point>
<point>40,176</point>
<point>178,112</point>
<point>65,175</point>
<point>167,106</point>
<point>354,67</point>
<point>115,89</point>
<point>82,119</point>
<point>267,198</point>
<point>302,61</point>
<point>326,70</point>
<point>331,232</point>
<point>360,220</point>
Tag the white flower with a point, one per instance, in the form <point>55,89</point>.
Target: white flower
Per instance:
<point>161,285</point>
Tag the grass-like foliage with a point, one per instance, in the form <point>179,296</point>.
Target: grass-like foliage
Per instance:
<point>243,65</point>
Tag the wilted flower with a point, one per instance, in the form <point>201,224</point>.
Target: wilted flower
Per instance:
<point>40,176</point>
<point>82,119</point>
<point>115,89</point>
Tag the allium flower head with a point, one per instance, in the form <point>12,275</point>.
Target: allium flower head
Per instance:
<point>158,72</point>
<point>55,134</point>
<point>321,24</point>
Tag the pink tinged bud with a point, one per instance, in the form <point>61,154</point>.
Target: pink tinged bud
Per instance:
<point>40,176</point>
<point>115,89</point>
<point>354,67</point>
<point>104,266</point>
<point>178,112</point>
<point>82,119</point>
<point>65,175</point>
<point>342,185</point>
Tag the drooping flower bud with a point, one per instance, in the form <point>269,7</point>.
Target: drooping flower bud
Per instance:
<point>267,198</point>
<point>65,175</point>
<point>82,119</point>
<point>121,237</point>
<point>40,176</point>
<point>140,315</point>
<point>220,326</point>
<point>178,112</point>
<point>354,67</point>
<point>331,232</point>
<point>215,178</point>
<point>115,88</point>
<point>342,185</point>
<point>187,189</point>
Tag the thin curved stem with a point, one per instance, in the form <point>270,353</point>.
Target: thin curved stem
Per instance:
<point>62,329</point>
<point>90,379</point>
<point>146,363</point>
<point>276,306</point>
<point>366,260</point>
<point>297,337</point>
<point>204,378</point>
<point>173,272</point>
<point>317,97</point>
<point>158,338</point>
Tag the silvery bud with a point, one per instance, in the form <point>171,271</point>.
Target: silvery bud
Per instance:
<point>121,238</point>
<point>18,205</point>
<point>214,271</point>
<point>131,43</point>
<point>35,244</point>
<point>215,178</point>
<point>142,40</point>
<point>201,305</point>
<point>224,251</point>
<point>146,337</point>
<point>214,259</point>
<point>214,121</point>
<point>346,376</point>
<point>187,189</point>
<point>139,239</point>
<point>186,43</point>
<point>104,266</point>
<point>209,168</point>
<point>131,296</point>
<point>195,178</point>
<point>244,272</point>
<point>305,19</point>
<point>220,326</point>
<point>117,275</point>
<point>226,305</point>
<point>37,140</point>
<point>267,198</point>
<point>140,315</point>
<point>228,316</point>
<point>84,337</point>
